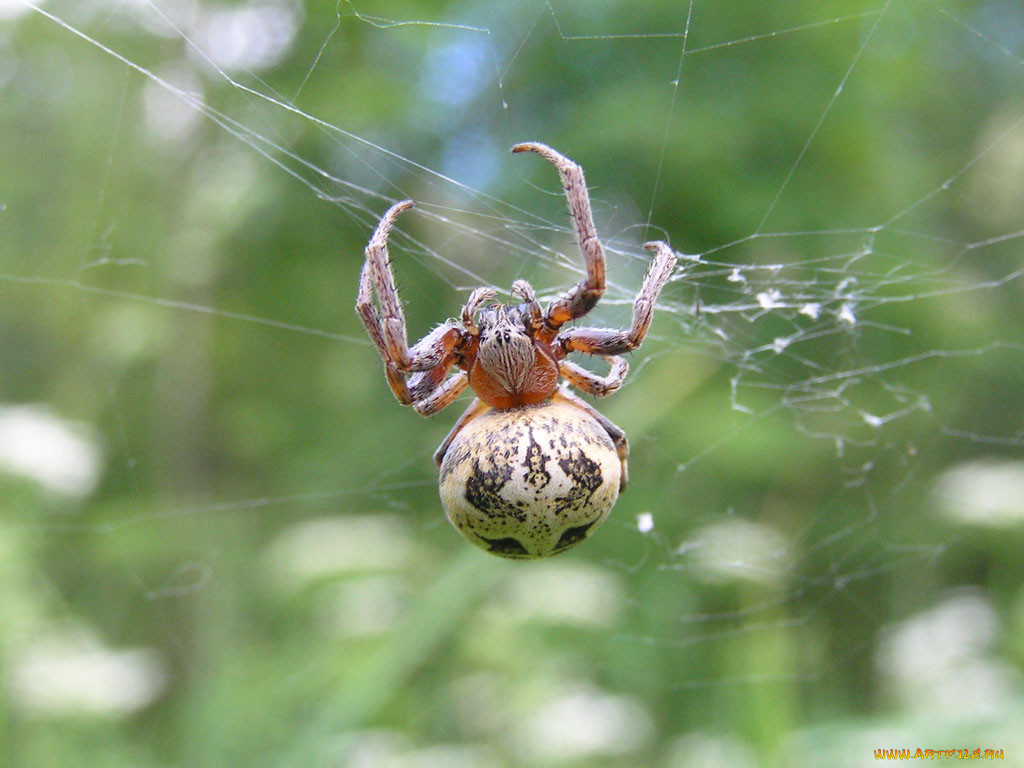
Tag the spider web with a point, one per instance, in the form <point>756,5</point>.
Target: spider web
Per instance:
<point>825,418</point>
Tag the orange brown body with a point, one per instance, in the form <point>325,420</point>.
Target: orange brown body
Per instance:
<point>512,356</point>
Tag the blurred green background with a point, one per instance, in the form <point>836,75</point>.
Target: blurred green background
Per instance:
<point>220,538</point>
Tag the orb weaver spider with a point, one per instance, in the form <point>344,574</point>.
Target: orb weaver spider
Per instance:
<point>513,357</point>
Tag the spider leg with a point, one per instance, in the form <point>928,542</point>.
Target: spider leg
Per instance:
<point>441,396</point>
<point>523,290</point>
<point>437,350</point>
<point>476,408</point>
<point>431,357</point>
<point>592,383</point>
<point>422,383</point>
<point>586,294</point>
<point>657,276</point>
<point>477,299</point>
<point>387,327</point>
<point>367,311</point>
<point>614,432</point>
<point>603,341</point>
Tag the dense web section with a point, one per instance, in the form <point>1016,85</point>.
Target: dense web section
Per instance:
<point>807,325</point>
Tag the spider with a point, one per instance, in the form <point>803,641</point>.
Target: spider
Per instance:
<point>512,356</point>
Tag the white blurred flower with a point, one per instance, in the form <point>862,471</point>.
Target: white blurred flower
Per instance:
<point>10,9</point>
<point>983,492</point>
<point>169,111</point>
<point>566,592</point>
<point>249,37</point>
<point>59,456</point>
<point>942,659</point>
<point>583,722</point>
<point>362,607</point>
<point>704,750</point>
<point>315,549</point>
<point>389,749</point>
<point>741,550</point>
<point>75,674</point>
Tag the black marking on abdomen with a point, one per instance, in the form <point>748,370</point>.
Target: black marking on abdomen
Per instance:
<point>507,547</point>
<point>584,476</point>
<point>535,462</point>
<point>573,536</point>
<point>483,491</point>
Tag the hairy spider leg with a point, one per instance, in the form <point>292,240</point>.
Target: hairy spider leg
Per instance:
<point>431,358</point>
<point>523,290</point>
<point>606,341</point>
<point>610,343</point>
<point>442,395</point>
<point>477,299</point>
<point>584,297</point>
<point>592,383</point>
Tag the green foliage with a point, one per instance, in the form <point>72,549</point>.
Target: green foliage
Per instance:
<point>264,556</point>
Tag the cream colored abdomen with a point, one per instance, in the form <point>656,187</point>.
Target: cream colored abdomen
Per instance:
<point>530,482</point>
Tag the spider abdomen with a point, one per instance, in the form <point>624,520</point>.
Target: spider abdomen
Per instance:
<point>530,482</point>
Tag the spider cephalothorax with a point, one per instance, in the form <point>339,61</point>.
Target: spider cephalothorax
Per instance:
<point>511,356</point>
<point>514,366</point>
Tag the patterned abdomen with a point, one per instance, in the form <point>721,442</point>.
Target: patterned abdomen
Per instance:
<point>530,482</point>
